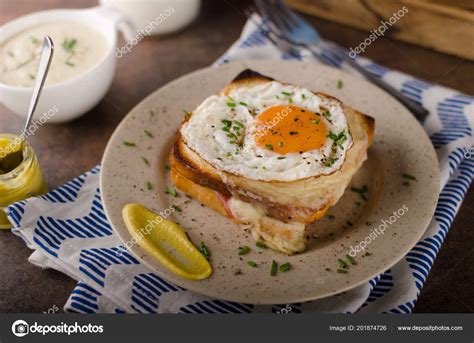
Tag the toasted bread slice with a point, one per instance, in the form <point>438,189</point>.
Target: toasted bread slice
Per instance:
<point>276,211</point>
<point>278,235</point>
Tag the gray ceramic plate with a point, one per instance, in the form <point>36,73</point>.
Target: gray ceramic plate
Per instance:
<point>400,146</point>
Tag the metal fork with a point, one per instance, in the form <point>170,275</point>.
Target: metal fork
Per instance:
<point>291,27</point>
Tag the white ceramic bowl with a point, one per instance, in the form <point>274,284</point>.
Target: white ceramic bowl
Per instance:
<point>158,17</point>
<point>76,96</point>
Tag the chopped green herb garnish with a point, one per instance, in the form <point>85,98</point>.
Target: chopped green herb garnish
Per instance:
<point>204,250</point>
<point>269,146</point>
<point>361,191</point>
<point>287,93</point>
<point>69,44</point>
<point>172,191</point>
<point>327,162</point>
<point>149,185</point>
<point>252,264</point>
<point>127,143</point>
<point>34,40</point>
<point>338,140</point>
<point>342,271</point>
<point>231,104</point>
<point>274,268</point>
<point>233,127</point>
<point>290,100</point>
<point>364,189</point>
<point>409,177</point>
<point>244,250</point>
<point>145,160</point>
<point>69,64</point>
<point>261,245</point>
<point>281,157</point>
<point>339,84</point>
<point>285,267</point>
<point>167,167</point>
<point>148,133</point>
<point>243,103</point>
<point>332,135</point>
<point>176,208</point>
<point>303,96</point>
<point>24,63</point>
<point>342,263</point>
<point>351,260</point>
<point>327,114</point>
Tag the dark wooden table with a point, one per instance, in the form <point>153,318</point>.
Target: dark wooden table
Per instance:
<point>66,151</point>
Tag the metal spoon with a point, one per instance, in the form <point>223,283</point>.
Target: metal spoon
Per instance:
<point>43,68</point>
<point>13,160</point>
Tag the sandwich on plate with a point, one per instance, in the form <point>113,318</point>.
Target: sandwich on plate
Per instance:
<point>269,155</point>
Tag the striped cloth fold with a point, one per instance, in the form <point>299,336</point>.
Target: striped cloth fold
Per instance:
<point>68,231</point>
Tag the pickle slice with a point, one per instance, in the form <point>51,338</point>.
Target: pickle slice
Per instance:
<point>166,241</point>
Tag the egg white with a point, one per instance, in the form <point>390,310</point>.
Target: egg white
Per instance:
<point>203,133</point>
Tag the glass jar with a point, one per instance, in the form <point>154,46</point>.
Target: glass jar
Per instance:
<point>24,181</point>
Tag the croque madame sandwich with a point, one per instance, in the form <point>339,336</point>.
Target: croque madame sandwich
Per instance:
<point>271,156</point>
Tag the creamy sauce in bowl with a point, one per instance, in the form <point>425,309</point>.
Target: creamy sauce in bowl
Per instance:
<point>77,49</point>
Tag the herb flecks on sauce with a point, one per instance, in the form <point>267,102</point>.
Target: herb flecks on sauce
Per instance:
<point>69,44</point>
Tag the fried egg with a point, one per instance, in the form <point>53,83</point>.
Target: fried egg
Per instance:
<point>270,132</point>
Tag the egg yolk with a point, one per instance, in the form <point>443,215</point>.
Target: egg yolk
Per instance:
<point>290,129</point>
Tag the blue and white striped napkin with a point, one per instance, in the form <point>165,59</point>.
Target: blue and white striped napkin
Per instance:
<point>68,231</point>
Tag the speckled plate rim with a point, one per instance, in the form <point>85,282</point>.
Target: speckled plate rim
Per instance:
<point>429,204</point>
